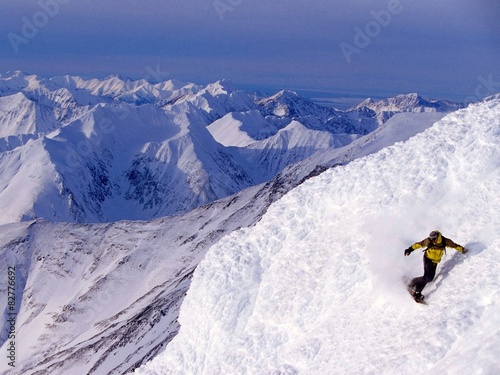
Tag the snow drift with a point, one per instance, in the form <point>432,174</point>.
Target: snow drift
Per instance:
<point>315,287</point>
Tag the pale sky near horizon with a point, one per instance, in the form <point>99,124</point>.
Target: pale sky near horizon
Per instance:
<point>442,49</point>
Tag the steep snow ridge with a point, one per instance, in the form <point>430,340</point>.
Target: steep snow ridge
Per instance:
<point>240,129</point>
<point>315,287</point>
<point>22,114</point>
<point>28,183</point>
<point>17,115</point>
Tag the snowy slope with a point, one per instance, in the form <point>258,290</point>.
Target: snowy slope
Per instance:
<point>17,115</point>
<point>315,287</point>
<point>240,129</point>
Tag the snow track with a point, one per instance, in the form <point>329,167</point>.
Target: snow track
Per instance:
<point>315,287</point>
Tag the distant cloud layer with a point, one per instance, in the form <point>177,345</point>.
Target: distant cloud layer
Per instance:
<point>440,49</point>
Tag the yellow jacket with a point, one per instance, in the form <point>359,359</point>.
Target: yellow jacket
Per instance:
<point>435,250</point>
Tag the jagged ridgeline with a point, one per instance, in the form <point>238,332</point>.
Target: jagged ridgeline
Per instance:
<point>114,149</point>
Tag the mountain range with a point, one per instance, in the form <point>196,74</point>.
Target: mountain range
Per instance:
<point>83,150</point>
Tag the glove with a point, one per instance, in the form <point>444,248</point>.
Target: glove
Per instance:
<point>465,251</point>
<point>408,251</point>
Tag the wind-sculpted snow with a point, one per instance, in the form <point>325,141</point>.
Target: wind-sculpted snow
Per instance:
<point>315,287</point>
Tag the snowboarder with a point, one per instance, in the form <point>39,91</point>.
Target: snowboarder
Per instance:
<point>435,245</point>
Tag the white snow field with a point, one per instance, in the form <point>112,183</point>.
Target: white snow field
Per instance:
<point>316,286</point>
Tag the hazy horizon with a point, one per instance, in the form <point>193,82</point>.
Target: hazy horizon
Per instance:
<point>446,50</point>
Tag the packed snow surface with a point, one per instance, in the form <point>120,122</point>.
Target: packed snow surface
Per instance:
<point>316,286</point>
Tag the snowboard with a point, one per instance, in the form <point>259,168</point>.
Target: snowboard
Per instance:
<point>417,300</point>
<point>407,284</point>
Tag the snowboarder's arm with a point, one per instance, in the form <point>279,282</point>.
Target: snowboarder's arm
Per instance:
<point>417,245</point>
<point>421,244</point>
<point>453,245</point>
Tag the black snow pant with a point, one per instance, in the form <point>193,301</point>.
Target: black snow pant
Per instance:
<point>429,272</point>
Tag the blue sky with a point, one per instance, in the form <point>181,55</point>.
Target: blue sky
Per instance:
<point>441,49</point>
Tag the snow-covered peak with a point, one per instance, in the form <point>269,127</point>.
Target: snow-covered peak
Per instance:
<point>409,103</point>
<point>283,95</point>
<point>240,129</point>
<point>217,99</point>
<point>222,87</point>
<point>93,90</point>
<point>492,98</point>
<point>289,104</point>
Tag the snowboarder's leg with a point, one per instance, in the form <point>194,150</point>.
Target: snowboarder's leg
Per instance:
<point>418,284</point>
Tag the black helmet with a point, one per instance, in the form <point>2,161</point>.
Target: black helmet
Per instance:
<point>434,235</point>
